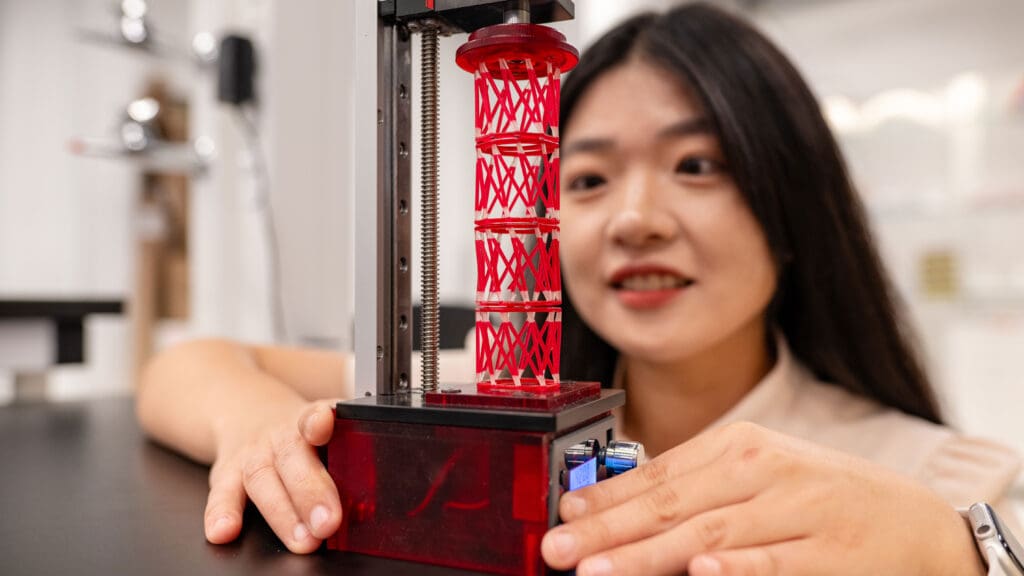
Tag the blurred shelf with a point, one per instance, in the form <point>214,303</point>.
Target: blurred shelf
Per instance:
<point>191,158</point>
<point>1010,304</point>
<point>57,308</point>
<point>150,47</point>
<point>978,205</point>
<point>65,314</point>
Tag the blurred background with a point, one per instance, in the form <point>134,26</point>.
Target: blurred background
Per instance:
<point>127,179</point>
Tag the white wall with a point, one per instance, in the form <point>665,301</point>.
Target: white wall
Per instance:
<point>305,104</point>
<point>310,99</point>
<point>67,223</point>
<point>54,208</point>
<point>860,47</point>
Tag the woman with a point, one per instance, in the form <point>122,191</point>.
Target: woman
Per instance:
<point>721,272</point>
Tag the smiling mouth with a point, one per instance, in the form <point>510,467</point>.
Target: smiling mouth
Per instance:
<point>651,283</point>
<point>650,290</point>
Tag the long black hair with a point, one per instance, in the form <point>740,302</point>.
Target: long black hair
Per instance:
<point>834,303</point>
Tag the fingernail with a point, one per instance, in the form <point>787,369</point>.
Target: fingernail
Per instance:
<point>301,532</point>
<point>221,524</point>
<point>319,517</point>
<point>705,566</point>
<point>597,566</point>
<point>306,425</point>
<point>562,543</point>
<point>574,505</point>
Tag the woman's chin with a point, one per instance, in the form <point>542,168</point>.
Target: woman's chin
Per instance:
<point>659,349</point>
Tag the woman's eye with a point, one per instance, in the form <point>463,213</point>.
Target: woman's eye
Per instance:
<point>697,166</point>
<point>586,182</point>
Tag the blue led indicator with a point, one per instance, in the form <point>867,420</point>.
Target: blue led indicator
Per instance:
<point>583,475</point>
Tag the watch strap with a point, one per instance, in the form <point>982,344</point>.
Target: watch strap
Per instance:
<point>982,522</point>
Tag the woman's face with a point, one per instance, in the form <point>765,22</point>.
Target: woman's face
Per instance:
<point>662,256</point>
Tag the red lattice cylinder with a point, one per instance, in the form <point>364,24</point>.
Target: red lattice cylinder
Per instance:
<point>517,70</point>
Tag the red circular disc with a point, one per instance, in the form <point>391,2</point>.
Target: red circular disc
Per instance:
<point>514,143</point>
<point>536,306</point>
<point>516,43</point>
<point>517,225</point>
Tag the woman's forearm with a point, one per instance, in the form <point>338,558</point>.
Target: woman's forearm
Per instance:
<point>196,396</point>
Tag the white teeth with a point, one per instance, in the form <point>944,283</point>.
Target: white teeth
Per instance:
<point>650,282</point>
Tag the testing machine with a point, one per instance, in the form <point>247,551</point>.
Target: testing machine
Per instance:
<point>468,474</point>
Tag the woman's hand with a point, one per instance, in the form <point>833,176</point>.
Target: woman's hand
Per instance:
<point>742,500</point>
<point>277,467</point>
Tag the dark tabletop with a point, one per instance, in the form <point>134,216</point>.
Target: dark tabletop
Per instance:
<point>83,492</point>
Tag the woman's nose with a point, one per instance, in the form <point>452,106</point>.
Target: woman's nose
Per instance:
<point>641,221</point>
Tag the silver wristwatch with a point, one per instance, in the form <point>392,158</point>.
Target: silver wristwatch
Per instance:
<point>999,549</point>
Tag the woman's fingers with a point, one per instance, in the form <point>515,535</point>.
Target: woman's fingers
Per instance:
<point>224,506</point>
<point>740,526</point>
<point>316,424</point>
<point>661,508</point>
<point>790,558</point>
<point>309,486</point>
<point>268,493</point>
<point>686,457</point>
<point>283,476</point>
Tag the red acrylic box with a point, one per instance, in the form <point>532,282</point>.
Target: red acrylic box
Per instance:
<point>464,478</point>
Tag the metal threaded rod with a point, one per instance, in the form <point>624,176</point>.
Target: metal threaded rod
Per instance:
<point>517,12</point>
<point>429,150</point>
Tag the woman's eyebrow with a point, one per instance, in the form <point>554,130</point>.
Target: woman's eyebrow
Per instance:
<point>586,145</point>
<point>686,127</point>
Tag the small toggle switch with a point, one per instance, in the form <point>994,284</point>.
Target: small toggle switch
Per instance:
<point>579,453</point>
<point>621,457</point>
<point>617,457</point>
